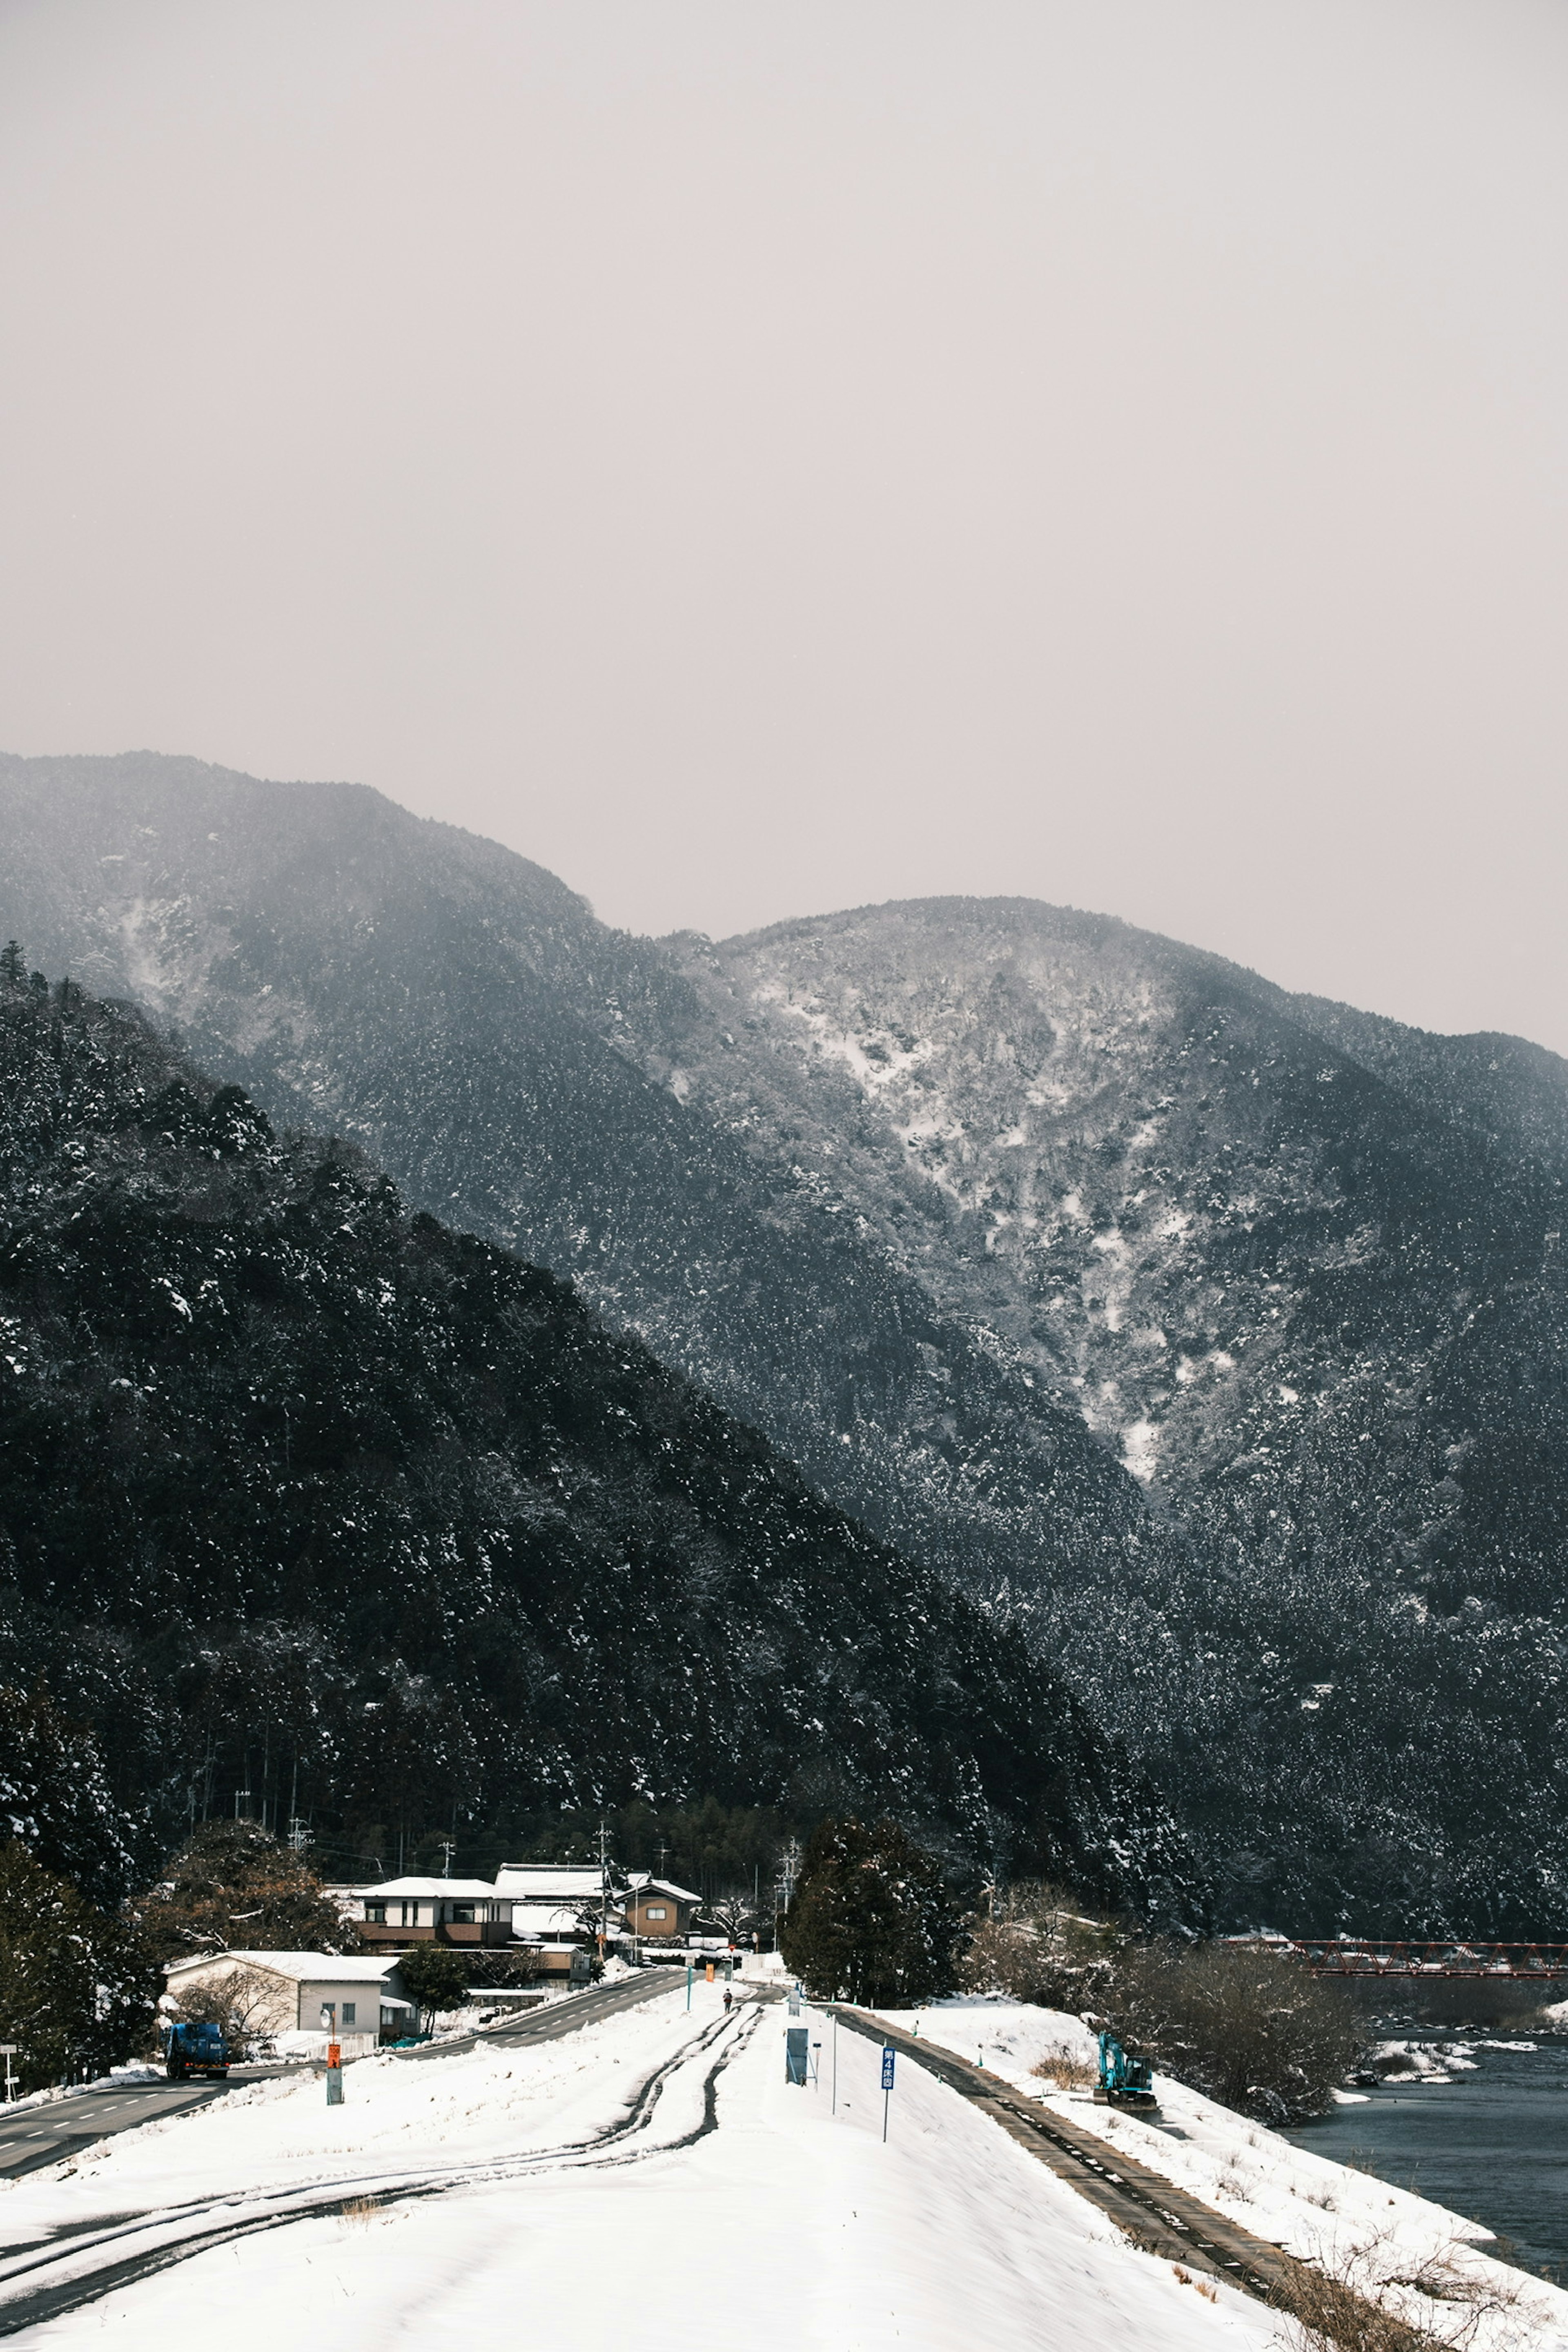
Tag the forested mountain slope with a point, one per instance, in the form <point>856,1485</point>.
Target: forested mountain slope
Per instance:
<point>461,1015</point>
<point>1219,1331</point>
<point>1301,1268</point>
<point>303,1494</point>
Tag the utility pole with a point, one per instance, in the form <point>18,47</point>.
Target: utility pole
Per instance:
<point>603,1890</point>
<point>448,1850</point>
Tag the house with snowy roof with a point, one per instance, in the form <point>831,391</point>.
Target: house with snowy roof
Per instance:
<point>566,1884</point>
<point>460,1911</point>
<point>297,1992</point>
<point>657,1908</point>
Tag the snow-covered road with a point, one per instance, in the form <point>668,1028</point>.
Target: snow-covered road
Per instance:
<point>559,2216</point>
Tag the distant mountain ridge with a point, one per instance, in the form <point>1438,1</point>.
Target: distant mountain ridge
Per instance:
<point>1217,1332</point>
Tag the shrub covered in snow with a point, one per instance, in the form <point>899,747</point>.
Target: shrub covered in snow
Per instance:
<point>1241,2024</point>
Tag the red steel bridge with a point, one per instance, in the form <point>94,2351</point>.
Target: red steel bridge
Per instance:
<point>1378,1956</point>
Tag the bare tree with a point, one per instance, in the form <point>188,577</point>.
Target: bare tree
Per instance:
<point>241,2001</point>
<point>732,1914</point>
<point>1244,2025</point>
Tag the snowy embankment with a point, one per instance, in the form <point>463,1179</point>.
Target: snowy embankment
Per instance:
<point>1374,2236</point>
<point>786,2225</point>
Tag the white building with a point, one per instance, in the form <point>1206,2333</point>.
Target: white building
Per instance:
<point>285,1993</point>
<point>566,1884</point>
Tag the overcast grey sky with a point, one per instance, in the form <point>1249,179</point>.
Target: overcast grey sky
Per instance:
<point>761,455</point>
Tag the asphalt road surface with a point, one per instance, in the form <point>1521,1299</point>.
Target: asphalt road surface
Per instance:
<point>31,2136</point>
<point>559,2017</point>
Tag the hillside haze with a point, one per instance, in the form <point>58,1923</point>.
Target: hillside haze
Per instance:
<point>1218,1333</point>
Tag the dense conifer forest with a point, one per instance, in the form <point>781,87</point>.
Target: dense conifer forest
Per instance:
<point>313,1508</point>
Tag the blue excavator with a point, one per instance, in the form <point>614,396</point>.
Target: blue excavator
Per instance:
<point>1124,2082</point>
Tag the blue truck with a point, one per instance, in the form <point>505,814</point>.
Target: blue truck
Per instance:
<point>195,2050</point>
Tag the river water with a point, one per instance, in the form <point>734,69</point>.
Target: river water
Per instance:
<point>1492,2144</point>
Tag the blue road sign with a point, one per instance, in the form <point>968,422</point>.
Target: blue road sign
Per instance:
<point>888,2058</point>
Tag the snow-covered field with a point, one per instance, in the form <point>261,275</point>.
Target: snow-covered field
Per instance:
<point>785,2226</point>
<point>1362,2228</point>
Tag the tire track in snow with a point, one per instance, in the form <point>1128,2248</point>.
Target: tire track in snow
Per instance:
<point>60,2281</point>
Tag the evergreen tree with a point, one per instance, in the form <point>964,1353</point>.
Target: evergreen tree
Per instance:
<point>433,1976</point>
<point>55,1796</point>
<point>77,1988</point>
<point>873,1920</point>
<point>234,1886</point>
<point>13,965</point>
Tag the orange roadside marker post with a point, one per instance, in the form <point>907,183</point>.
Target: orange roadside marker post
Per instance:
<point>334,2055</point>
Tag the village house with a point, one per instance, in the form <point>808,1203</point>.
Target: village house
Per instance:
<point>403,1911</point>
<point>565,1885</point>
<point>268,1993</point>
<point>656,1908</point>
<point>556,1907</point>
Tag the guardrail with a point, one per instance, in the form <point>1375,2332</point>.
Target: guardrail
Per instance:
<point>1380,1956</point>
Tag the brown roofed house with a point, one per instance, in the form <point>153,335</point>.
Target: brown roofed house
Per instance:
<point>654,1907</point>
<point>432,1911</point>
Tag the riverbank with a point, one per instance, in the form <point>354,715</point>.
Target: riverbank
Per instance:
<point>1433,2265</point>
<point>1478,2125</point>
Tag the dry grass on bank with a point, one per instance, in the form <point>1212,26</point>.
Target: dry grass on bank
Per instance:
<point>1341,2307</point>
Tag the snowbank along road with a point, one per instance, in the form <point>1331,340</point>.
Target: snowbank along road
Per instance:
<point>1434,2271</point>
<point>1155,2215</point>
<point>33,2135</point>
<point>652,2163</point>
<point>619,2168</point>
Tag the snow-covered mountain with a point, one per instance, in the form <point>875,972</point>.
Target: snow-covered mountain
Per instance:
<point>1299,1270</point>
<point>1220,1332</point>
